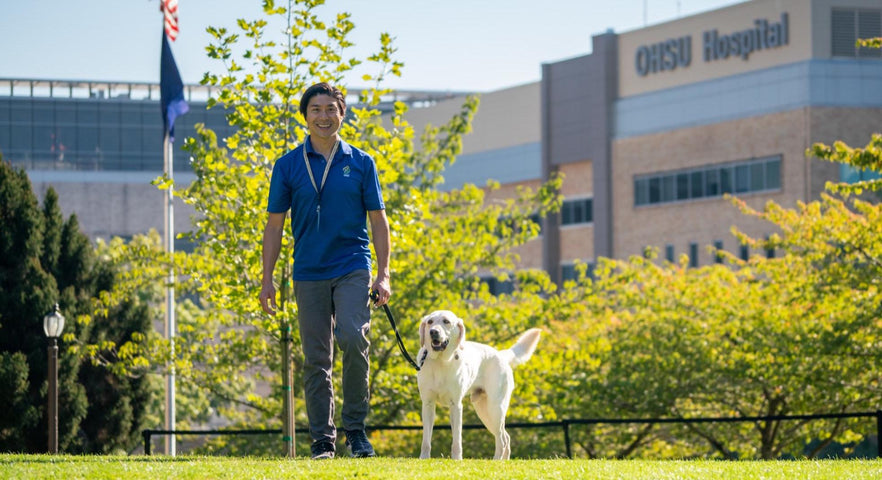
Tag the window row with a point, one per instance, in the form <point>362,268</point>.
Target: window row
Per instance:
<point>26,111</point>
<point>743,253</point>
<point>94,161</point>
<point>87,148</point>
<point>706,182</point>
<point>87,137</point>
<point>568,272</point>
<point>82,135</point>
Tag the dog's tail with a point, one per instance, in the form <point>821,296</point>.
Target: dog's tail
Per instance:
<point>523,349</point>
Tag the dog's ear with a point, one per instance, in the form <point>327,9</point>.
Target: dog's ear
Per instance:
<point>423,332</point>
<point>461,326</point>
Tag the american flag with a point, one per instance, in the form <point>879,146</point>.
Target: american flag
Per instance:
<point>169,10</point>
<point>171,88</point>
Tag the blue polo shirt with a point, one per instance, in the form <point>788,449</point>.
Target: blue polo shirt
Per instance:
<point>337,243</point>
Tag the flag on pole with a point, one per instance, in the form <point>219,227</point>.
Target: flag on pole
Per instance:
<point>171,88</point>
<point>171,96</point>
<point>170,12</point>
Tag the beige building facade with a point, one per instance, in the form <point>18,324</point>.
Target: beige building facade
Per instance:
<point>762,83</point>
<point>655,127</point>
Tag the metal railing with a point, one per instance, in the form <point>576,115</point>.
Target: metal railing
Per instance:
<point>563,424</point>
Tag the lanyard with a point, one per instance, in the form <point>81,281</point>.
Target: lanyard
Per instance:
<point>319,188</point>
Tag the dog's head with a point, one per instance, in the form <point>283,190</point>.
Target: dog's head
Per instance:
<point>441,334</point>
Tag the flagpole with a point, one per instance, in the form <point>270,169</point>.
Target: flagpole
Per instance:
<point>173,104</point>
<point>170,328</point>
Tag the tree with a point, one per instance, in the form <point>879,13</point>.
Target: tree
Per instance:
<point>20,415</point>
<point>45,260</point>
<point>227,348</point>
<point>638,339</point>
<point>797,334</point>
<point>833,263</point>
<point>27,291</point>
<point>757,338</point>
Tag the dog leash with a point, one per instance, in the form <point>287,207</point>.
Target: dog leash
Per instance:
<point>375,295</point>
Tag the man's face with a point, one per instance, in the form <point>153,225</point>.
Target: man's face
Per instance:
<point>323,116</point>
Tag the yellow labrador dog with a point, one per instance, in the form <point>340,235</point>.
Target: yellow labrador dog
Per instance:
<point>451,368</point>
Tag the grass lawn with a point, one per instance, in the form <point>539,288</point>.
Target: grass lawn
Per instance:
<point>192,467</point>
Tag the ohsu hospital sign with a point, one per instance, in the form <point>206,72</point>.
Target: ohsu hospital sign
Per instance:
<point>675,53</point>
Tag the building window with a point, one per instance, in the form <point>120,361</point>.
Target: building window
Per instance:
<point>696,184</point>
<point>770,252</point>
<point>498,287</point>
<point>851,24</point>
<point>641,192</point>
<point>537,220</point>
<point>577,211</point>
<point>693,254</point>
<point>568,271</point>
<point>718,251</point>
<point>756,175</point>
<point>850,174</point>
<point>669,253</point>
<point>506,222</point>
<point>744,253</point>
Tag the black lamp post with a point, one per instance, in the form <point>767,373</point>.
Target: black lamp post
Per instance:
<point>53,324</point>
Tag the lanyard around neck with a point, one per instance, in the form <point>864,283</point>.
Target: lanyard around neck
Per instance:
<point>319,188</point>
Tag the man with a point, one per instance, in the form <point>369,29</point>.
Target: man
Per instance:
<point>330,188</point>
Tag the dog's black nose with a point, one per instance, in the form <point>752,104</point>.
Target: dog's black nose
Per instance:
<point>434,334</point>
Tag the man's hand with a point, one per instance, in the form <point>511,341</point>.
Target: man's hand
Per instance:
<point>381,287</point>
<point>268,298</point>
<point>382,246</point>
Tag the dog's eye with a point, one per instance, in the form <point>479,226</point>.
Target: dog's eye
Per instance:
<point>430,322</point>
<point>446,322</point>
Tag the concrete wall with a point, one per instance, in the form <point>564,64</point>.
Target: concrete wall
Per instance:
<point>504,144</point>
<point>111,204</point>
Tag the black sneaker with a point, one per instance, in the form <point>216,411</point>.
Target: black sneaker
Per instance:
<point>322,450</point>
<point>358,444</point>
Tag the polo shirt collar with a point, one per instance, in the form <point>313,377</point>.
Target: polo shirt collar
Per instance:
<point>344,147</point>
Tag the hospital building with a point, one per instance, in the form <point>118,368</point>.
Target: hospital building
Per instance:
<point>650,128</point>
<point>654,126</point>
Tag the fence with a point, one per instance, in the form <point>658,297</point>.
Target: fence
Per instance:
<point>564,424</point>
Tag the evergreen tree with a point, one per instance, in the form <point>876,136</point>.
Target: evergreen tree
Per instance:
<point>43,260</point>
<point>18,413</point>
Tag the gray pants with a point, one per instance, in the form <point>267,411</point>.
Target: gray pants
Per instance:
<point>337,308</point>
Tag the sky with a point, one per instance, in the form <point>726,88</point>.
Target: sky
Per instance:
<point>446,45</point>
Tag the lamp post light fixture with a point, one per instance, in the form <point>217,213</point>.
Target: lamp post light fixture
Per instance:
<point>53,325</point>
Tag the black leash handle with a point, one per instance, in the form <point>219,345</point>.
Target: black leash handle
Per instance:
<point>375,295</point>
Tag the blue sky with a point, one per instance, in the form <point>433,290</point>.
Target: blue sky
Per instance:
<point>457,45</point>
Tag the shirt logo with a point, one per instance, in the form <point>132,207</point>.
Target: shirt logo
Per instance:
<point>346,171</point>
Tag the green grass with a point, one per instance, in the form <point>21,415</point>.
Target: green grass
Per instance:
<point>192,467</point>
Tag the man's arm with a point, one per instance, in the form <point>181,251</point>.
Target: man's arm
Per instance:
<point>272,245</point>
<point>383,248</point>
